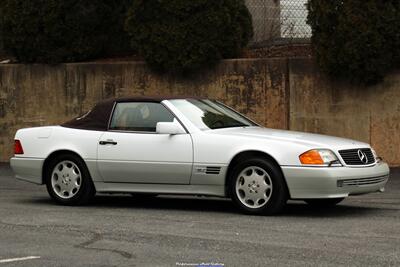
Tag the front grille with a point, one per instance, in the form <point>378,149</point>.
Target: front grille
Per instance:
<point>351,156</point>
<point>362,181</point>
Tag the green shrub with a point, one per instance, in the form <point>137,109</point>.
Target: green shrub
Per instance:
<point>184,36</point>
<point>355,39</point>
<point>53,31</point>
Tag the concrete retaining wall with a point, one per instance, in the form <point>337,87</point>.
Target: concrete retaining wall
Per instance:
<point>278,93</point>
<point>370,114</point>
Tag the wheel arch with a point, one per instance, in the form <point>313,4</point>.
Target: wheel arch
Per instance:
<point>56,153</point>
<point>251,154</point>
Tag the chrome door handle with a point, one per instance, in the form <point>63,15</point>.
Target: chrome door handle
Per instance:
<point>108,142</point>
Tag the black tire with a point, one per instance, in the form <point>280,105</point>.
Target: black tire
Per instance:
<point>278,194</point>
<point>86,191</point>
<point>324,202</point>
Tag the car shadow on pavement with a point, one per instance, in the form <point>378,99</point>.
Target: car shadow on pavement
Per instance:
<point>202,204</point>
<point>181,203</point>
<point>301,209</point>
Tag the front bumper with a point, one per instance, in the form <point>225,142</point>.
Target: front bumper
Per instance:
<point>334,182</point>
<point>28,169</point>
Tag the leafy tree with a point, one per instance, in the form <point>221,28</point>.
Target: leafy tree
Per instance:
<point>184,36</point>
<point>356,39</point>
<point>53,31</point>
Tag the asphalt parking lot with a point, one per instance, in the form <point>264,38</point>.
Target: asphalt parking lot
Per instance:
<point>167,231</point>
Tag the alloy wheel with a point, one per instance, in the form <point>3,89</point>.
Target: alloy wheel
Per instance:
<point>66,179</point>
<point>254,187</point>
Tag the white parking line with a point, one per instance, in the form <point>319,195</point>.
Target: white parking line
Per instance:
<point>20,259</point>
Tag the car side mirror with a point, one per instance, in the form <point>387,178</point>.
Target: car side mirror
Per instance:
<point>170,128</point>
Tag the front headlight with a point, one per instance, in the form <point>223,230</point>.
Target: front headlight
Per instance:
<point>322,157</point>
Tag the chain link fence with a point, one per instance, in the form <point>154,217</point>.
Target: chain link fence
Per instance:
<point>279,21</point>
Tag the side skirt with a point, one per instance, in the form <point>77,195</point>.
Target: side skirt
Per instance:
<point>206,190</point>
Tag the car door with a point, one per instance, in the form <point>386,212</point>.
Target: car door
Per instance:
<point>132,152</point>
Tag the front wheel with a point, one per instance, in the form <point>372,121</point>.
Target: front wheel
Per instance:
<point>257,187</point>
<point>68,180</point>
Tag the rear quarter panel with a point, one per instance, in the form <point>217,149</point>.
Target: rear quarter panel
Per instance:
<point>40,142</point>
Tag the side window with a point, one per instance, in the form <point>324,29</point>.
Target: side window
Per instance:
<point>139,116</point>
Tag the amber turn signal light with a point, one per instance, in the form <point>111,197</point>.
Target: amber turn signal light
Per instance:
<point>311,157</point>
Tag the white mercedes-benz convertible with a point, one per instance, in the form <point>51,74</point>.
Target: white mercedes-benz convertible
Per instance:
<point>192,146</point>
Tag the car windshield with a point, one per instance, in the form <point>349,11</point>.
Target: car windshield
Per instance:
<point>208,114</point>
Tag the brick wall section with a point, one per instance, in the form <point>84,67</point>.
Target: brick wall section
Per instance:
<point>278,93</point>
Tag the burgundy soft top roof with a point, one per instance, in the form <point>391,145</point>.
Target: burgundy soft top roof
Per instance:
<point>97,119</point>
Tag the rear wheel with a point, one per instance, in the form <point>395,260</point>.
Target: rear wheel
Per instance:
<point>324,202</point>
<point>68,181</point>
<point>257,187</point>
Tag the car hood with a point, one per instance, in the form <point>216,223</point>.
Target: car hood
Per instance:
<point>308,139</point>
